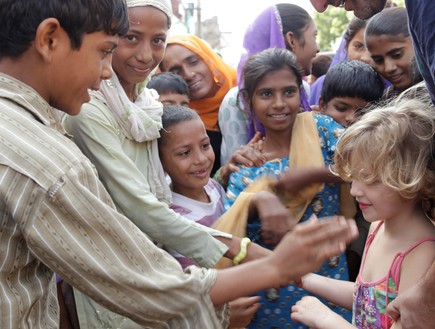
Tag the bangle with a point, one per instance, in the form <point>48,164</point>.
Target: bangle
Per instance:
<point>218,178</point>
<point>243,251</point>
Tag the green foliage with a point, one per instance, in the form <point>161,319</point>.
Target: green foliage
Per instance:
<point>332,23</point>
<point>330,26</point>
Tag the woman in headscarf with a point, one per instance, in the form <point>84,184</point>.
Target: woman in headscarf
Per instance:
<point>209,79</point>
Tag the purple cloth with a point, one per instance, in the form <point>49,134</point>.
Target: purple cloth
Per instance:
<point>264,32</point>
<point>316,90</point>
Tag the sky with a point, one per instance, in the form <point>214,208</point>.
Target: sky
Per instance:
<point>234,16</point>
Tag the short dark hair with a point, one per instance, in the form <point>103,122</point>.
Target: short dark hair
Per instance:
<point>353,79</point>
<point>321,65</point>
<point>173,114</point>
<point>168,83</point>
<point>267,61</point>
<point>19,20</point>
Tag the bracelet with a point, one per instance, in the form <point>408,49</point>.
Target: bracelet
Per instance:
<point>218,178</point>
<point>243,251</point>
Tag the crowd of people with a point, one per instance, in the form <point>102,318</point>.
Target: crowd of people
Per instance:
<point>146,183</point>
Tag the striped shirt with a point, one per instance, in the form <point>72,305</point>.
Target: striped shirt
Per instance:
<point>56,217</point>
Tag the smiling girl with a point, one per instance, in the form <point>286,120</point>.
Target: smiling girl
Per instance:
<point>390,46</point>
<point>272,92</point>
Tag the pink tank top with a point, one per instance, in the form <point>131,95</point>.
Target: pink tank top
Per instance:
<point>370,298</point>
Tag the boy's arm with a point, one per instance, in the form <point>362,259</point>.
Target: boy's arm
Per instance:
<point>302,250</point>
<point>95,133</point>
<point>296,179</point>
<point>99,251</point>
<point>338,292</point>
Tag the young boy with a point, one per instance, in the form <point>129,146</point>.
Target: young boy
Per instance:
<point>348,88</point>
<point>187,157</point>
<point>172,88</point>
<point>56,216</point>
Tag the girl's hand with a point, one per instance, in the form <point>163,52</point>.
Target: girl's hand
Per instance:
<point>247,155</point>
<point>311,312</point>
<point>243,310</point>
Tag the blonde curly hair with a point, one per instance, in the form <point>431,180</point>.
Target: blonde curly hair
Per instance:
<point>393,144</point>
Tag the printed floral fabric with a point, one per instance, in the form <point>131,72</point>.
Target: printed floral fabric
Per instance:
<point>370,304</point>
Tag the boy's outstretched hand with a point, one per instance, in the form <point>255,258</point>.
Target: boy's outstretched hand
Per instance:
<point>309,244</point>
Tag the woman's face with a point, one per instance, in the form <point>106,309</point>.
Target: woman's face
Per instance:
<point>357,50</point>
<point>275,100</point>
<point>306,48</point>
<point>142,48</point>
<point>392,58</point>
<point>192,68</point>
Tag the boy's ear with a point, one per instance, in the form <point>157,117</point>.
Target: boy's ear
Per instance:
<point>48,37</point>
<point>290,40</point>
<point>322,105</point>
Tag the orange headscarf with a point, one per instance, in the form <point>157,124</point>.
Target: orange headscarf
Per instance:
<point>224,76</point>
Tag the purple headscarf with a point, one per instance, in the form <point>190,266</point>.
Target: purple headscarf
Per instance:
<point>263,33</point>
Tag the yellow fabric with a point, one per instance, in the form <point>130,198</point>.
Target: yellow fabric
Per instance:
<point>305,152</point>
<point>235,220</point>
<point>223,74</point>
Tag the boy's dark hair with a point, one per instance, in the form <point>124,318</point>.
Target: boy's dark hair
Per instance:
<point>173,114</point>
<point>19,20</point>
<point>321,65</point>
<point>353,79</point>
<point>168,83</point>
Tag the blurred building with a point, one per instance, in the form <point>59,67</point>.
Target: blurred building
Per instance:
<point>188,19</point>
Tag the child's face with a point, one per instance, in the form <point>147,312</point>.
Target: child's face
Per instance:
<point>192,68</point>
<point>142,48</point>
<point>174,99</point>
<point>379,202</point>
<point>276,101</point>
<point>344,110</point>
<point>357,50</point>
<point>187,156</point>
<point>306,52</point>
<point>392,58</point>
<point>77,71</point>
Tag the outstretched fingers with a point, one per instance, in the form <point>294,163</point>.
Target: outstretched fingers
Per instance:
<point>309,244</point>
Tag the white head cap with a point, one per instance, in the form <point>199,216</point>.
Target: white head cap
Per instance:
<point>163,5</point>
